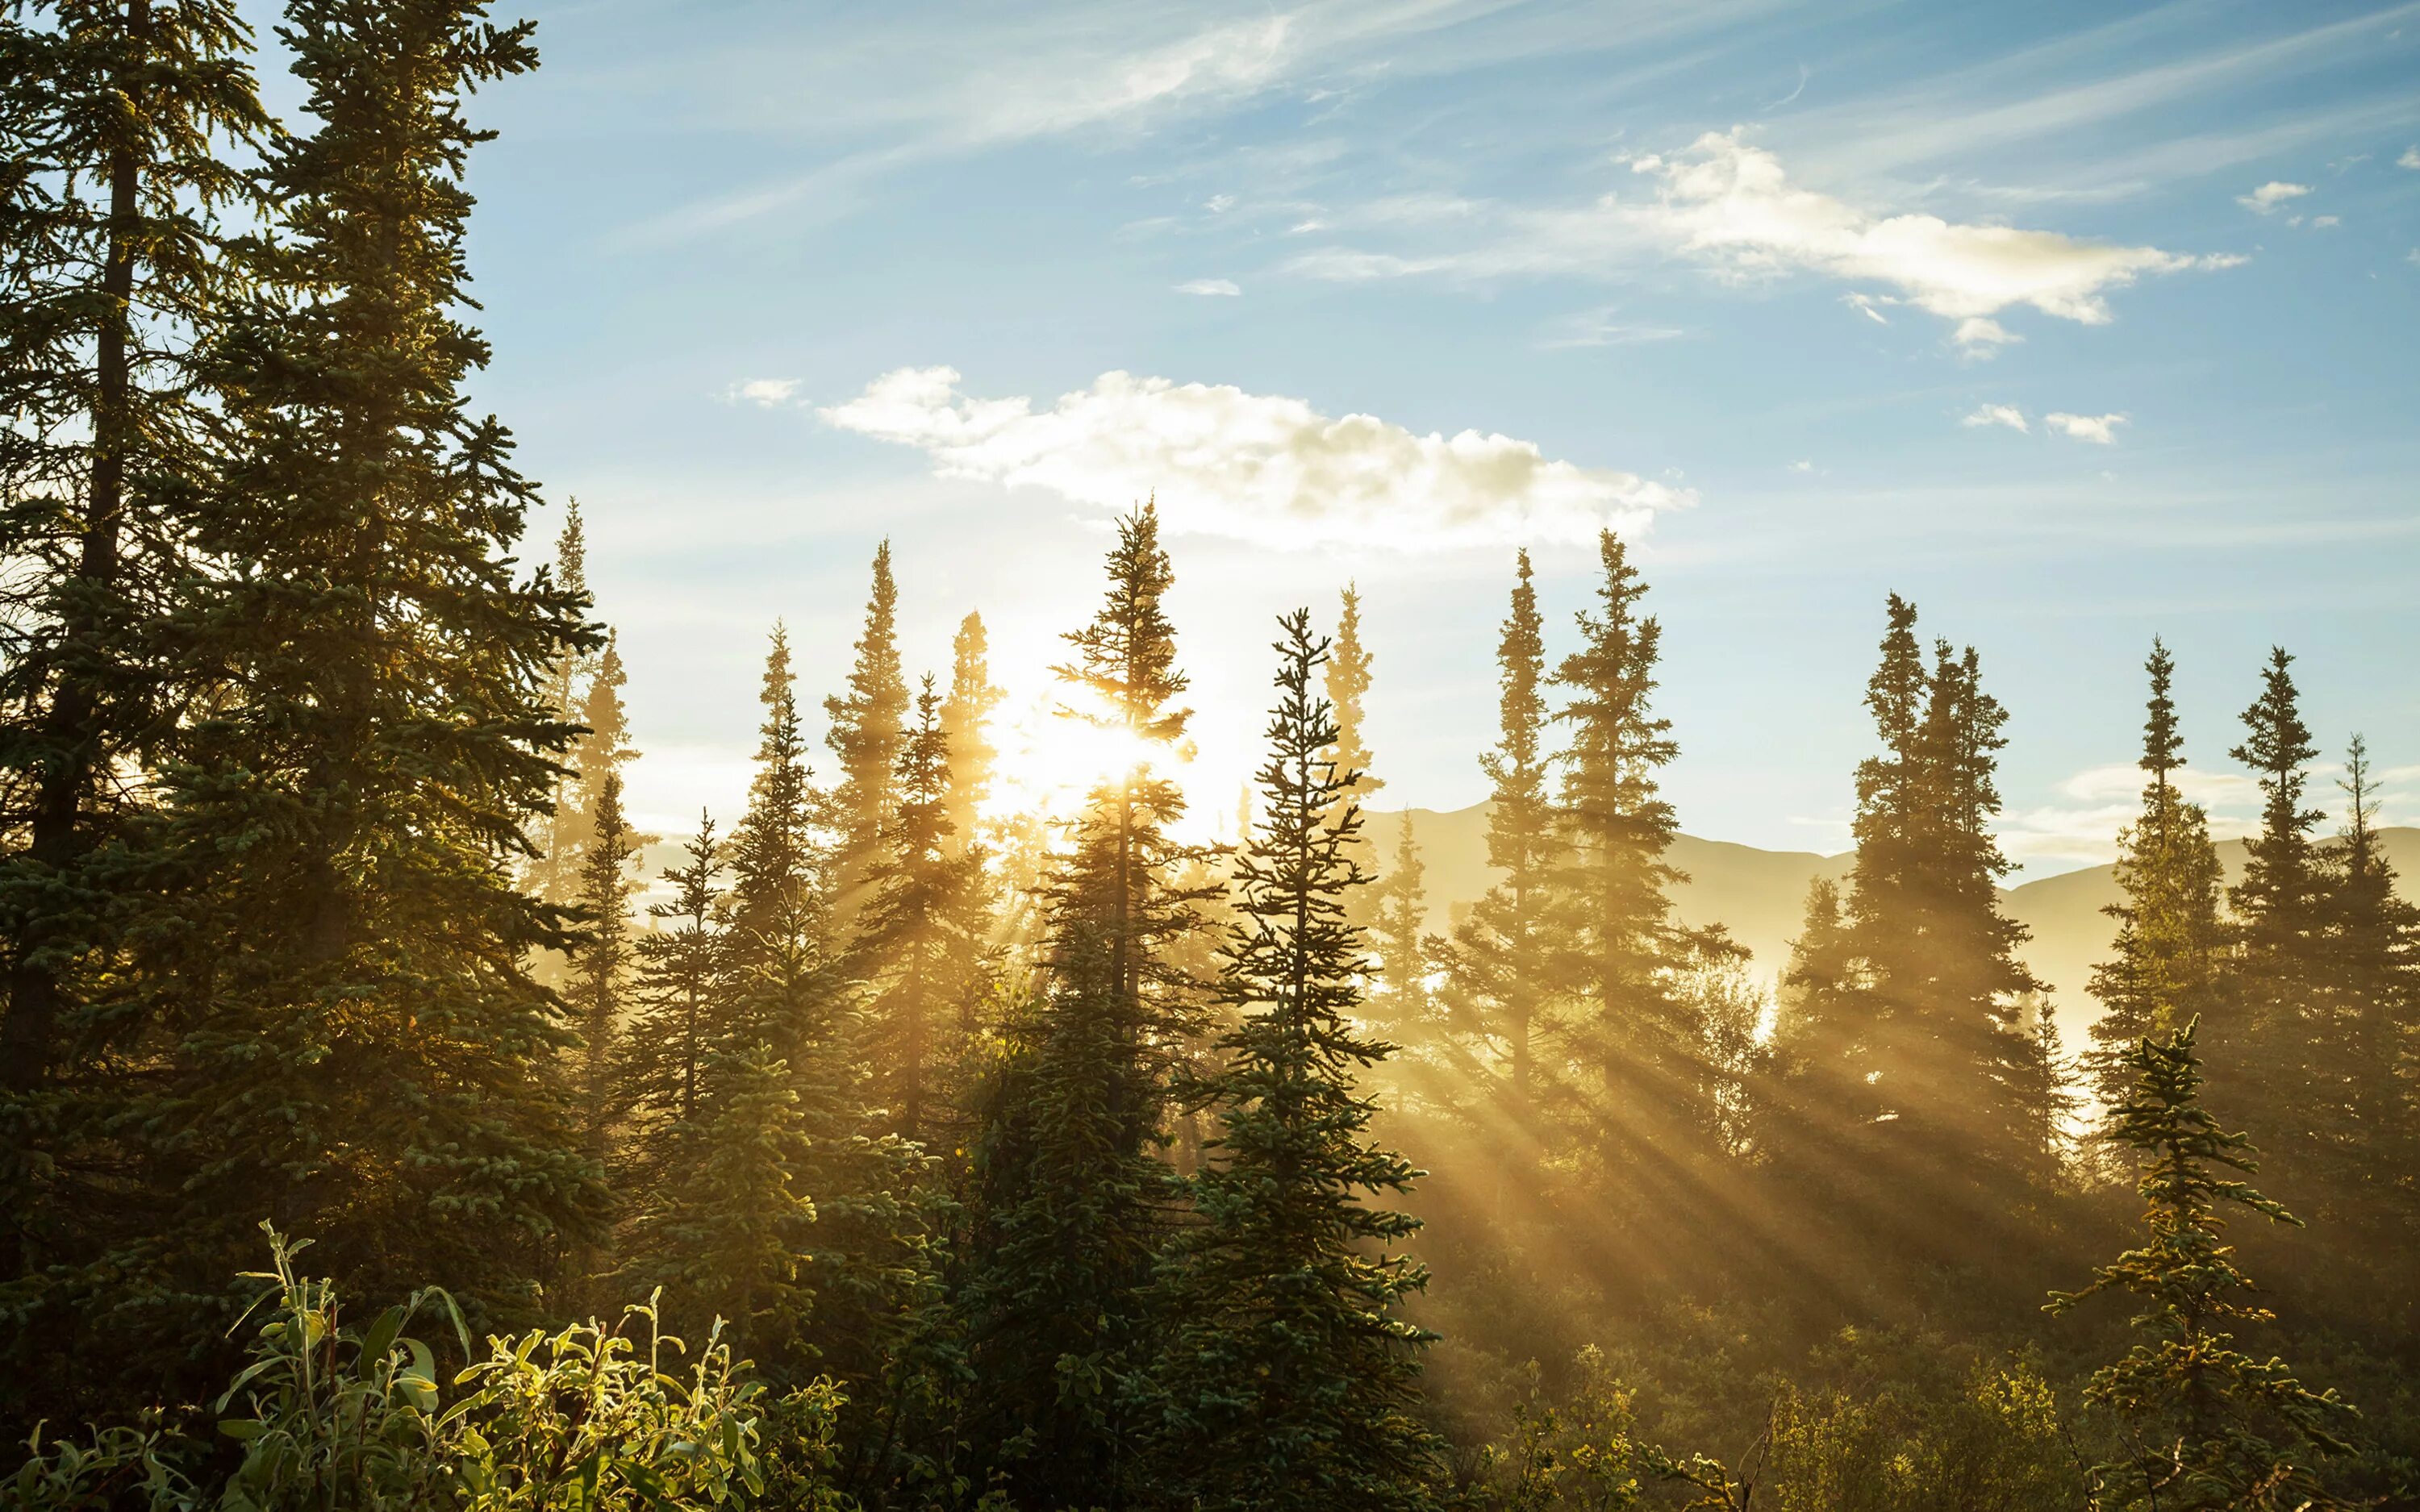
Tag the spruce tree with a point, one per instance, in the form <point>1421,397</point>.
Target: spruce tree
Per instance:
<point>1400,922</point>
<point>1641,1094</point>
<point>681,1019</point>
<point>2166,966</point>
<point>916,936</point>
<point>1070,1188</point>
<point>554,871</point>
<point>1348,690</point>
<point>2206,1426</point>
<point>1290,1379</point>
<point>865,730</point>
<point>116,121</point>
<point>2281,945</point>
<point>966,729</point>
<point>1496,991</point>
<point>2371,1127</point>
<point>601,967</point>
<point>361,1042</point>
<point>597,755</point>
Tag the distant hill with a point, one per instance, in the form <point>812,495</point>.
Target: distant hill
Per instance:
<point>1761,895</point>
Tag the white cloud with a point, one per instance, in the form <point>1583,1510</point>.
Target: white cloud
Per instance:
<point>2411,157</point>
<point>1802,467</point>
<point>1977,335</point>
<point>1998,414</point>
<point>1600,327</point>
<point>1864,304</point>
<point>1209,285</point>
<point>1728,203</point>
<point>1255,467</point>
<point>2271,195</point>
<point>2322,222</point>
<point>1220,204</point>
<point>766,391</point>
<point>2099,429</point>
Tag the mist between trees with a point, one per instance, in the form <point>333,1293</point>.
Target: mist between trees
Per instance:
<point>1028,1161</point>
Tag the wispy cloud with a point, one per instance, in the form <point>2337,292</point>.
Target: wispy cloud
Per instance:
<point>1998,414</point>
<point>1214,287</point>
<point>1603,328</point>
<point>2100,430</point>
<point>766,391</point>
<point>1730,205</point>
<point>2265,199</point>
<point>2411,157</point>
<point>1260,467</point>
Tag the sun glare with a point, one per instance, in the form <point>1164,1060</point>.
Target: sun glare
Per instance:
<point>1050,760</point>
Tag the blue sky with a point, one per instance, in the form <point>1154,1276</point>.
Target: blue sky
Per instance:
<point>2075,323</point>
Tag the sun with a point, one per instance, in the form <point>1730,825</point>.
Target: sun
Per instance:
<point>1050,760</point>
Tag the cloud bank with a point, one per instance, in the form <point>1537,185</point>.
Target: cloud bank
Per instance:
<point>1261,468</point>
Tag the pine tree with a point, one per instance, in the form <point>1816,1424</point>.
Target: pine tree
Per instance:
<point>1069,1185</point>
<point>865,730</point>
<point>1922,1087</point>
<point>2207,1426</point>
<point>1495,987</point>
<point>2166,966</point>
<point>601,965</point>
<point>361,1046</point>
<point>1642,1094</point>
<point>916,937</point>
<point>2280,936</point>
<point>1348,688</point>
<point>1399,924</point>
<point>965,730</point>
<point>682,1018</point>
<point>554,871</point>
<point>1290,1379</point>
<point>117,120</point>
<point>596,756</point>
<point>2371,1127</point>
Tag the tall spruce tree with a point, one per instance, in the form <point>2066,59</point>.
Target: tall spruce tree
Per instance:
<point>1349,690</point>
<point>2281,942</point>
<point>1400,925</point>
<point>1641,1093</point>
<point>2369,1128</point>
<point>2207,1426</point>
<point>680,1023</point>
<point>117,123</point>
<point>597,755</point>
<point>1922,1086</point>
<point>361,1042</point>
<point>601,967</point>
<point>553,871</point>
<point>1070,1188</point>
<point>866,725</point>
<point>1495,990</point>
<point>1290,1379</point>
<point>966,729</point>
<point>916,936</point>
<point>2166,970</point>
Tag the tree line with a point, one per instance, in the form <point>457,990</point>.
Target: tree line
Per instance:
<point>991,1160</point>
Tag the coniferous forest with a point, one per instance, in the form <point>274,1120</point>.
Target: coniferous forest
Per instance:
<point>379,1133</point>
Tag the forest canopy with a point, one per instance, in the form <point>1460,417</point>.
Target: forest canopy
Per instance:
<point>897,1146</point>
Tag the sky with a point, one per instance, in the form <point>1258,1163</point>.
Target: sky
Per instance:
<point>2073,323</point>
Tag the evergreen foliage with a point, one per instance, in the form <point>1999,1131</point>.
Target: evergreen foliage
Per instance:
<point>965,718</point>
<point>1289,1378</point>
<point>2207,1426</point>
<point>866,725</point>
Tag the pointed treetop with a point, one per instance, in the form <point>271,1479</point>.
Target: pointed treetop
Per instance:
<point>2162,747</point>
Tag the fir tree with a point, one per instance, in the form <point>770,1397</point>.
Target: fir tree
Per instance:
<point>1647,1095</point>
<point>361,1040</point>
<point>2207,1426</point>
<point>1400,921</point>
<point>2166,970</point>
<point>916,936</point>
<point>1495,983</point>
<point>115,121</point>
<point>2370,1128</point>
<point>966,721</point>
<point>864,736</point>
<point>596,756</point>
<point>1348,687</point>
<point>601,965</point>
<point>1069,1185</point>
<point>2280,934</point>
<point>553,871</point>
<point>682,1015</point>
<point>1290,1379</point>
